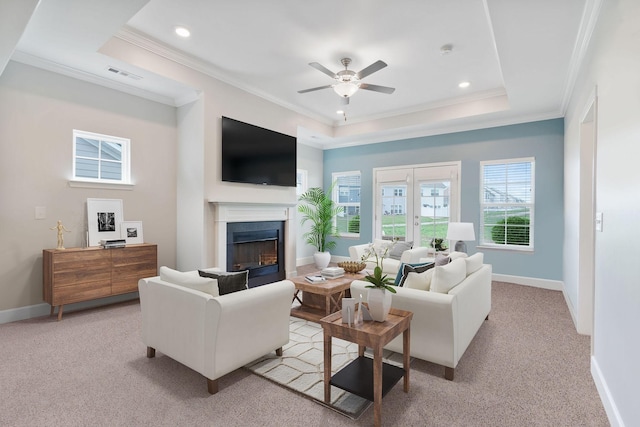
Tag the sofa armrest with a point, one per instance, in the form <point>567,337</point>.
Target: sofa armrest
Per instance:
<point>433,325</point>
<point>412,256</point>
<point>356,252</point>
<point>252,323</point>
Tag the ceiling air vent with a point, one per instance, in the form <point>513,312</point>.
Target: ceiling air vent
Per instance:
<point>123,73</point>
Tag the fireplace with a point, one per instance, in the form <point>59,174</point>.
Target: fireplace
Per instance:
<point>257,247</point>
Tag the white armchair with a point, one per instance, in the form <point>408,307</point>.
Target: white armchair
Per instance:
<point>214,335</point>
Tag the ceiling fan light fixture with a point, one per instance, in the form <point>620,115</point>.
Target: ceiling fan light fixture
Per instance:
<point>346,89</point>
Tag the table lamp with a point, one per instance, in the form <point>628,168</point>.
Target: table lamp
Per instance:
<point>461,231</point>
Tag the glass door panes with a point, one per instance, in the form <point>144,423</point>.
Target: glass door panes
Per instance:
<point>394,211</point>
<point>435,211</point>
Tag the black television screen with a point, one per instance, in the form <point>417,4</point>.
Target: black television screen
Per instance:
<point>255,155</point>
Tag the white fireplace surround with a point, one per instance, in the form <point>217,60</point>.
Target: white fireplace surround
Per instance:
<point>225,212</point>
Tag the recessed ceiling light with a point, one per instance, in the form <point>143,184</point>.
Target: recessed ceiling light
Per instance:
<point>339,112</point>
<point>182,32</point>
<point>464,85</point>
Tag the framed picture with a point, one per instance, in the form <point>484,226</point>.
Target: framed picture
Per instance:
<point>104,219</point>
<point>131,231</point>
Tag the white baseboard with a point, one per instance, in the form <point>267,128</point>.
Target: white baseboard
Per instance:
<point>44,309</point>
<point>554,285</point>
<point>571,309</point>
<point>605,395</point>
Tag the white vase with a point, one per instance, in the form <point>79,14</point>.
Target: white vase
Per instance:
<point>322,259</point>
<point>379,301</point>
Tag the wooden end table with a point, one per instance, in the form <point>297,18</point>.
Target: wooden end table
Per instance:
<point>321,299</point>
<point>370,379</point>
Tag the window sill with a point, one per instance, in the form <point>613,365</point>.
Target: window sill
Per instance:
<point>101,185</point>
<point>506,248</point>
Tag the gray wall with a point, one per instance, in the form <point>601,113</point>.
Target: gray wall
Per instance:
<point>38,111</point>
<point>542,140</point>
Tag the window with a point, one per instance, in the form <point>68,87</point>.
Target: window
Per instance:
<point>398,192</point>
<point>346,193</point>
<point>100,158</point>
<point>507,203</point>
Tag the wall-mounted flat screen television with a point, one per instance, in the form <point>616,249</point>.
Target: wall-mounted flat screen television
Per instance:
<point>254,155</point>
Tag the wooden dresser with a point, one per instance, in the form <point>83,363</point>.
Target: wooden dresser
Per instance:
<point>76,274</point>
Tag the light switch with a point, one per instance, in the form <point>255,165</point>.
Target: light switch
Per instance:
<point>598,221</point>
<point>41,212</point>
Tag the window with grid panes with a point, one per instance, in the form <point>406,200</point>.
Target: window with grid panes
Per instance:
<point>346,193</point>
<point>100,158</point>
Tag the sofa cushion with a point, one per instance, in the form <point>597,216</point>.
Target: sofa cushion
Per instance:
<point>420,281</point>
<point>474,262</point>
<point>190,280</point>
<point>446,277</point>
<point>398,249</point>
<point>405,269</point>
<point>455,255</point>
<point>228,282</point>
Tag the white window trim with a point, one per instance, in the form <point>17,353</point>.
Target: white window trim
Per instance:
<point>334,196</point>
<point>531,206</point>
<point>123,184</point>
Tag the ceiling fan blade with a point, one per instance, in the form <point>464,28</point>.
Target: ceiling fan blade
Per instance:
<point>324,69</point>
<point>314,88</point>
<point>376,66</point>
<point>376,88</point>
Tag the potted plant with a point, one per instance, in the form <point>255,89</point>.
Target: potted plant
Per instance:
<point>320,210</point>
<point>380,289</point>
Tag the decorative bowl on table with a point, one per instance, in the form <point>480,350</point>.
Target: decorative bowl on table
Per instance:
<point>352,266</point>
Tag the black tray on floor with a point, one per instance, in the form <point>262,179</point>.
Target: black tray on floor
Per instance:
<point>357,377</point>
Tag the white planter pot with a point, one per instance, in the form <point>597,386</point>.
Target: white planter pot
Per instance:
<point>379,301</point>
<point>322,259</point>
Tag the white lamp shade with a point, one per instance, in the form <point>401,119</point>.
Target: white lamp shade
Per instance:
<point>461,231</point>
<point>345,89</point>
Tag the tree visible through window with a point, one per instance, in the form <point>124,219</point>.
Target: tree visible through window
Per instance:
<point>100,158</point>
<point>346,193</point>
<point>507,202</point>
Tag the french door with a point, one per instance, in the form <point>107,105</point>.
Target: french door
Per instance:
<point>416,203</point>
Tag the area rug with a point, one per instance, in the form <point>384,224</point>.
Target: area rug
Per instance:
<point>301,367</point>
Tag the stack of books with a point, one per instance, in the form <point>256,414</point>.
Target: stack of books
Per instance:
<point>332,272</point>
<point>114,243</point>
<point>314,279</point>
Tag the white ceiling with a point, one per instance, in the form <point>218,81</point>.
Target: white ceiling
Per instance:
<point>520,56</point>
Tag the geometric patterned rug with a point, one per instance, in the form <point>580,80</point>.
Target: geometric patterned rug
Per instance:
<point>301,367</point>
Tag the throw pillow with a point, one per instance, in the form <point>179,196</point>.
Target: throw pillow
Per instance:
<point>405,269</point>
<point>442,260</point>
<point>474,262</point>
<point>398,249</point>
<point>190,280</point>
<point>446,277</point>
<point>420,281</point>
<point>229,282</point>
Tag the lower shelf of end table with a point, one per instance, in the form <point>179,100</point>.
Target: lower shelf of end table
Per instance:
<point>357,377</point>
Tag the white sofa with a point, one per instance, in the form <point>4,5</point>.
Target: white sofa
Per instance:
<point>213,335</point>
<point>390,266</point>
<point>443,324</point>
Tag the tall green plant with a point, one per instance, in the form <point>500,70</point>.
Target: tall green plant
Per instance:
<point>318,208</point>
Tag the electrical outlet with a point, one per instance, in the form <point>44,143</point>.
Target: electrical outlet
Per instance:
<point>598,221</point>
<point>41,212</point>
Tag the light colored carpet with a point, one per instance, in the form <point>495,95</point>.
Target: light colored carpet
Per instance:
<point>301,367</point>
<point>527,366</point>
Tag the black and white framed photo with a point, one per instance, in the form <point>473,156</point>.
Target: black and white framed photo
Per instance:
<point>104,219</point>
<point>131,231</point>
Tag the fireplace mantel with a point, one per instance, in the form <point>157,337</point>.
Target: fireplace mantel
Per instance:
<point>225,212</point>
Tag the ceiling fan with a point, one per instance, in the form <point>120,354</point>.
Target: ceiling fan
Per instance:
<point>348,81</point>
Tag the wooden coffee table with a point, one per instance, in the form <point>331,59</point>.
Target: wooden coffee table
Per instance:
<point>370,379</point>
<point>321,299</point>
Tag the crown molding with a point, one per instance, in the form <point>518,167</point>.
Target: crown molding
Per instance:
<point>144,41</point>
<point>45,64</point>
<point>587,25</point>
